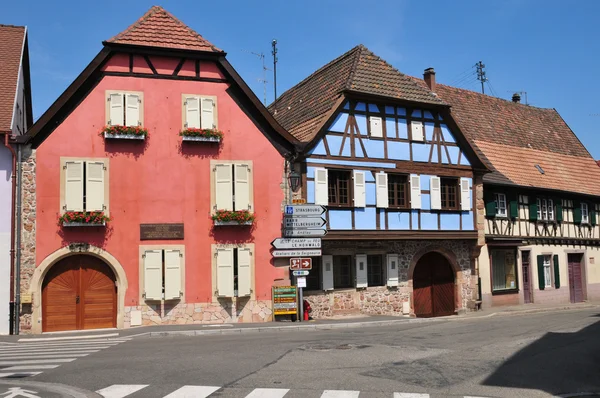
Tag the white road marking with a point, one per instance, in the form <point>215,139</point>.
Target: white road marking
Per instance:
<point>20,374</point>
<point>31,367</point>
<point>268,393</point>
<point>410,395</point>
<point>33,356</point>
<point>120,390</point>
<point>91,336</point>
<point>192,392</point>
<point>51,350</point>
<point>74,344</point>
<point>340,394</point>
<point>33,362</point>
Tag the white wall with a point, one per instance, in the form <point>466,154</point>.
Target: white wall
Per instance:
<point>5,216</point>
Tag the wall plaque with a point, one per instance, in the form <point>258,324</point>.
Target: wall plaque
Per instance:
<point>161,231</point>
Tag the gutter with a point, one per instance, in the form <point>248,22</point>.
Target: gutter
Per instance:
<point>12,228</point>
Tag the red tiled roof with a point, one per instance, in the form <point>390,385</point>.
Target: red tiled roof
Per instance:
<point>302,108</point>
<point>159,28</point>
<point>11,48</point>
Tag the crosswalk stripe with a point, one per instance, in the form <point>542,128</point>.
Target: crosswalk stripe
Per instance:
<point>20,374</point>
<point>120,390</point>
<point>77,344</point>
<point>33,362</point>
<point>340,394</point>
<point>49,351</point>
<point>192,392</point>
<point>410,395</point>
<point>268,393</point>
<point>33,356</point>
<point>31,367</point>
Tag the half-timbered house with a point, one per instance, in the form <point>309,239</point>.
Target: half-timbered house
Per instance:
<point>400,183</point>
<point>541,201</point>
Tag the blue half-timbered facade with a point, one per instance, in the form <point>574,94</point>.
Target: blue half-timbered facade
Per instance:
<point>383,153</point>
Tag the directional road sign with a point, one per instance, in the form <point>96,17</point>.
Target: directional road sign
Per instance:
<point>300,272</point>
<point>297,253</point>
<point>304,210</point>
<point>304,222</point>
<point>296,243</point>
<point>288,233</point>
<point>300,263</point>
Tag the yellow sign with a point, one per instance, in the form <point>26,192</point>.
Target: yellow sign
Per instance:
<point>284,300</point>
<point>298,201</point>
<point>26,299</point>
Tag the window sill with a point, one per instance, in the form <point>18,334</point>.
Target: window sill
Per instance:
<point>124,136</point>
<point>200,139</point>
<point>506,291</point>
<point>232,223</point>
<point>82,224</point>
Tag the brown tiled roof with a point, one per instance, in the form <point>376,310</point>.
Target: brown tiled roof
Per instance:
<point>302,108</point>
<point>11,48</point>
<point>159,28</point>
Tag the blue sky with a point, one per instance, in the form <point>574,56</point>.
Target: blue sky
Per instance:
<point>548,48</point>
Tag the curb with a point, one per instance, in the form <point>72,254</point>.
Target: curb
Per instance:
<point>64,390</point>
<point>531,311</point>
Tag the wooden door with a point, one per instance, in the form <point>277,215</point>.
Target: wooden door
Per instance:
<point>79,292</point>
<point>443,288</point>
<point>575,278</point>
<point>433,287</point>
<point>525,262</point>
<point>422,290</point>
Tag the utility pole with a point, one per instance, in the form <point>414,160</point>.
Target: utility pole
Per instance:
<point>481,75</point>
<point>274,52</point>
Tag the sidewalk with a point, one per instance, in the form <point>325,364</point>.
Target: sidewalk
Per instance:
<point>319,324</point>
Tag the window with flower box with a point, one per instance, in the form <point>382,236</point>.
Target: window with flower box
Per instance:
<point>84,191</point>
<point>124,115</point>
<point>232,192</point>
<point>199,117</point>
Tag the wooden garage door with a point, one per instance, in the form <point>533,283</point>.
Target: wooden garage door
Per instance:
<point>79,292</point>
<point>433,287</point>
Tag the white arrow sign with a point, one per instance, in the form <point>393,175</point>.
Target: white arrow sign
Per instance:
<point>298,243</point>
<point>296,253</point>
<point>304,232</point>
<point>304,222</point>
<point>304,210</point>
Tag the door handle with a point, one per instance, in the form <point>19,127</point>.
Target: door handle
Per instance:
<point>76,299</point>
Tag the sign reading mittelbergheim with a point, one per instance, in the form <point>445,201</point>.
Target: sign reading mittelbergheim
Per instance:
<point>304,222</point>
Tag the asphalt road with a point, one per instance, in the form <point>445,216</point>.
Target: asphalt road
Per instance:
<point>532,355</point>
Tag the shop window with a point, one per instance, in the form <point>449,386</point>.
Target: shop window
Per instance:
<point>504,270</point>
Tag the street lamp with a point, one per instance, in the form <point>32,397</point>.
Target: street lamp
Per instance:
<point>294,180</point>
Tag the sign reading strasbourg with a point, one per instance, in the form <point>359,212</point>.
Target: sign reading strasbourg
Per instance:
<point>161,231</point>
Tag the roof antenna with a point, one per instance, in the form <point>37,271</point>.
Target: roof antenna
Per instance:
<point>264,80</point>
<point>274,52</point>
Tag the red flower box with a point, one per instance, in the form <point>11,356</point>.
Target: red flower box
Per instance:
<point>229,217</point>
<point>83,218</point>
<point>127,132</point>
<point>194,134</point>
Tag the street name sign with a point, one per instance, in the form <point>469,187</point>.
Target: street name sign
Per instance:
<point>304,210</point>
<point>289,233</point>
<point>300,272</point>
<point>304,222</point>
<point>296,253</point>
<point>297,243</point>
<point>300,263</point>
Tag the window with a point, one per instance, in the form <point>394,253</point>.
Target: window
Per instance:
<point>338,186</point>
<point>585,218</point>
<point>545,209</point>
<point>342,272</point>
<point>234,270</point>
<point>500,204</point>
<point>162,273</point>
<point>397,191</point>
<point>124,108</point>
<point>375,270</point>
<point>199,112</point>
<point>313,279</point>
<point>85,185</point>
<point>548,270</point>
<point>449,193</point>
<point>232,184</point>
<point>504,275</point>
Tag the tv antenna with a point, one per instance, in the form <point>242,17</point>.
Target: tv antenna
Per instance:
<point>262,80</point>
<point>521,93</point>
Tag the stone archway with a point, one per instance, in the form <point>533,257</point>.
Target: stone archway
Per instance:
<point>39,275</point>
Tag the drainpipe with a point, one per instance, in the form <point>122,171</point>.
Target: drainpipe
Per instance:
<point>18,245</point>
<point>12,229</point>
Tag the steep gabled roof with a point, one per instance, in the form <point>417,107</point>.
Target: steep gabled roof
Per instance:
<point>303,108</point>
<point>159,28</point>
<point>12,44</point>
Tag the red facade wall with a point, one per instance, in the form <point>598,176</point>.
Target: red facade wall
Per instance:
<point>162,181</point>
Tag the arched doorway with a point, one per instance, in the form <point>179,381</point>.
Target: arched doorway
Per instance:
<point>79,292</point>
<point>433,286</point>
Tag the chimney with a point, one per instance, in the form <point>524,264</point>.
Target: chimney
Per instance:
<point>429,77</point>
<point>516,98</point>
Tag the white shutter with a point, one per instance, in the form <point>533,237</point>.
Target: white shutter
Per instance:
<point>242,187</point>
<point>361,270</point>
<point>74,186</point>
<point>244,274</point>
<point>392,270</point>
<point>327,271</point>
<point>192,112</point>
<point>223,187</point>
<point>375,125</point>
<point>360,193</point>
<point>415,191</point>
<point>382,189</point>
<point>321,194</point>
<point>153,275</point>
<point>172,274</point>
<point>132,114</point>
<point>225,272</point>
<point>115,106</point>
<point>465,195</point>
<point>94,189</point>
<point>416,129</point>
<point>208,113</point>
<point>435,193</point>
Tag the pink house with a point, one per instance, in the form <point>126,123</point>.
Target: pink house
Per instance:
<point>157,178</point>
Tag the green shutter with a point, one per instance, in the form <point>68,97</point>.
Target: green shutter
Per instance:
<point>559,210</point>
<point>490,204</point>
<point>577,212</point>
<point>541,280</point>
<point>513,206</point>
<point>556,273</point>
<point>533,208</point>
<point>593,219</point>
